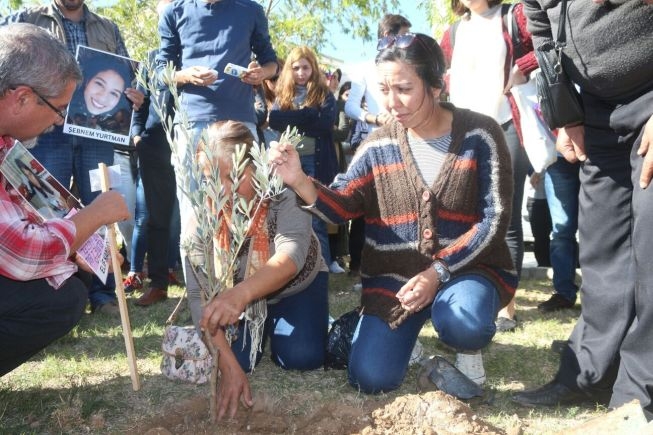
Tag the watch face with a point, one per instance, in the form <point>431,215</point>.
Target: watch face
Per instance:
<point>443,273</point>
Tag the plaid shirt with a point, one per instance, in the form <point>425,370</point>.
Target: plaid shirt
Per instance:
<point>76,35</point>
<point>29,249</point>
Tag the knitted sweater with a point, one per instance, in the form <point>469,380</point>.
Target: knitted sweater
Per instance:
<point>462,218</point>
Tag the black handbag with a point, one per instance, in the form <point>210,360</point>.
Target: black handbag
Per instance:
<point>560,102</point>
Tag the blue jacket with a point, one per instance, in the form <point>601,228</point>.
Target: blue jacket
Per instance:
<point>195,33</point>
<point>316,123</point>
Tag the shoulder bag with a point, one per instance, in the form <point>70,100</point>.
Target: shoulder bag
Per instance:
<point>560,102</point>
<point>185,356</point>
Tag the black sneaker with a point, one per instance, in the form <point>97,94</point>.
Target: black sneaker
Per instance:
<point>555,303</point>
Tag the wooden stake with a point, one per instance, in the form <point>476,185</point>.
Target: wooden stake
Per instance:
<point>120,290</point>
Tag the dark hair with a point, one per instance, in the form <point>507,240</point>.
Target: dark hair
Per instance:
<point>344,88</point>
<point>459,9</point>
<point>424,54</point>
<point>391,24</point>
<point>93,62</point>
<point>338,73</point>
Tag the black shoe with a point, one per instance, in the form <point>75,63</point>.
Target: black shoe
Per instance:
<point>551,394</point>
<point>557,302</point>
<point>558,346</point>
<point>505,324</point>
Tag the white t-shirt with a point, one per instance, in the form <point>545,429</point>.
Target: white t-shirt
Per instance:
<point>477,72</point>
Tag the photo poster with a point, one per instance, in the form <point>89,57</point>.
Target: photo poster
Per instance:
<point>99,108</point>
<point>42,193</point>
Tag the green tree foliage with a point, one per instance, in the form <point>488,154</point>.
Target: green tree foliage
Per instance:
<point>292,22</point>
<point>137,21</point>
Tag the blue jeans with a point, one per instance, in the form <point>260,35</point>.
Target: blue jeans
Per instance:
<point>562,185</point>
<point>297,329</point>
<point>319,226</point>
<point>127,189</point>
<point>463,313</point>
<point>139,238</point>
<point>66,156</point>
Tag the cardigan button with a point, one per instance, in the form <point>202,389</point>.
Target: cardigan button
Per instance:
<point>427,233</point>
<point>426,195</point>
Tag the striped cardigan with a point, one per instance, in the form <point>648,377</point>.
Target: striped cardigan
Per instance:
<point>462,218</point>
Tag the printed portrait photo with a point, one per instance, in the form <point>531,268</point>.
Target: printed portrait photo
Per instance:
<point>99,108</point>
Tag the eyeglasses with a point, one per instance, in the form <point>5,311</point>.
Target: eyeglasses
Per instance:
<point>399,41</point>
<point>61,113</point>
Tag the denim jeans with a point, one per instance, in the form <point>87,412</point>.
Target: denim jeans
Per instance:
<point>463,314</point>
<point>139,240</point>
<point>66,156</point>
<point>319,226</point>
<point>562,185</point>
<point>297,329</point>
<point>127,189</point>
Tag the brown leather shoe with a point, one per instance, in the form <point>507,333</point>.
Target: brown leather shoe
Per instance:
<point>152,296</point>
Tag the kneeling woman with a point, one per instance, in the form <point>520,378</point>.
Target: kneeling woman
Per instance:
<point>289,274</point>
<point>435,189</point>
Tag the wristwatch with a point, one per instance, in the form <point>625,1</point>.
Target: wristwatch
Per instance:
<point>442,270</point>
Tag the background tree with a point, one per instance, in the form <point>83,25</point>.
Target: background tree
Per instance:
<point>292,22</point>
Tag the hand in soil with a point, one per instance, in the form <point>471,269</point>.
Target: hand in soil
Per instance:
<point>233,387</point>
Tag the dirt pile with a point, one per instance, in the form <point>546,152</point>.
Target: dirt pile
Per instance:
<point>427,413</point>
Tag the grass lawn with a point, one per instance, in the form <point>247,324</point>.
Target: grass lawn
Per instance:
<point>81,383</point>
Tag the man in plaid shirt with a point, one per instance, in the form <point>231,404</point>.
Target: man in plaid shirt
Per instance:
<point>40,300</point>
<point>65,155</point>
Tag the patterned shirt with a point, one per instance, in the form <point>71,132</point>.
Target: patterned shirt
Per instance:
<point>29,249</point>
<point>76,35</point>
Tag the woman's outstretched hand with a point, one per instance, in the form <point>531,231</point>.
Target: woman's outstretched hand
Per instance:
<point>287,165</point>
<point>286,162</point>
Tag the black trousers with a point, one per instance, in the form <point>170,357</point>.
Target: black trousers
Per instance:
<point>159,187</point>
<point>540,220</point>
<point>356,242</point>
<point>611,346</point>
<point>33,315</point>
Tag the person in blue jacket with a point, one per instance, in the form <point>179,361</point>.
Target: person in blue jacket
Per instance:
<point>305,101</point>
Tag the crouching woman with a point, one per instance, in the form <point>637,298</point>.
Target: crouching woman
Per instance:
<point>435,189</point>
<point>280,263</point>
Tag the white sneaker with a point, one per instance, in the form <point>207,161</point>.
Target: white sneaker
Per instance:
<point>471,365</point>
<point>335,267</point>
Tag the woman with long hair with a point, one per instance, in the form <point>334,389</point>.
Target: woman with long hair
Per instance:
<point>303,100</point>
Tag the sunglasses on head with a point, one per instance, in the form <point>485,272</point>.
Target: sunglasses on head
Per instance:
<point>399,41</point>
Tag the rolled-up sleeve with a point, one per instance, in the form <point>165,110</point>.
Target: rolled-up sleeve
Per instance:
<point>30,250</point>
<point>293,236</point>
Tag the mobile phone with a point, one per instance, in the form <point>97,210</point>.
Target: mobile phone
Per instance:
<point>235,70</point>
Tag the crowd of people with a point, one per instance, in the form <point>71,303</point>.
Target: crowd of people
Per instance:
<point>414,170</point>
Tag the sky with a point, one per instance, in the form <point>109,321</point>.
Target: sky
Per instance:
<point>353,50</point>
